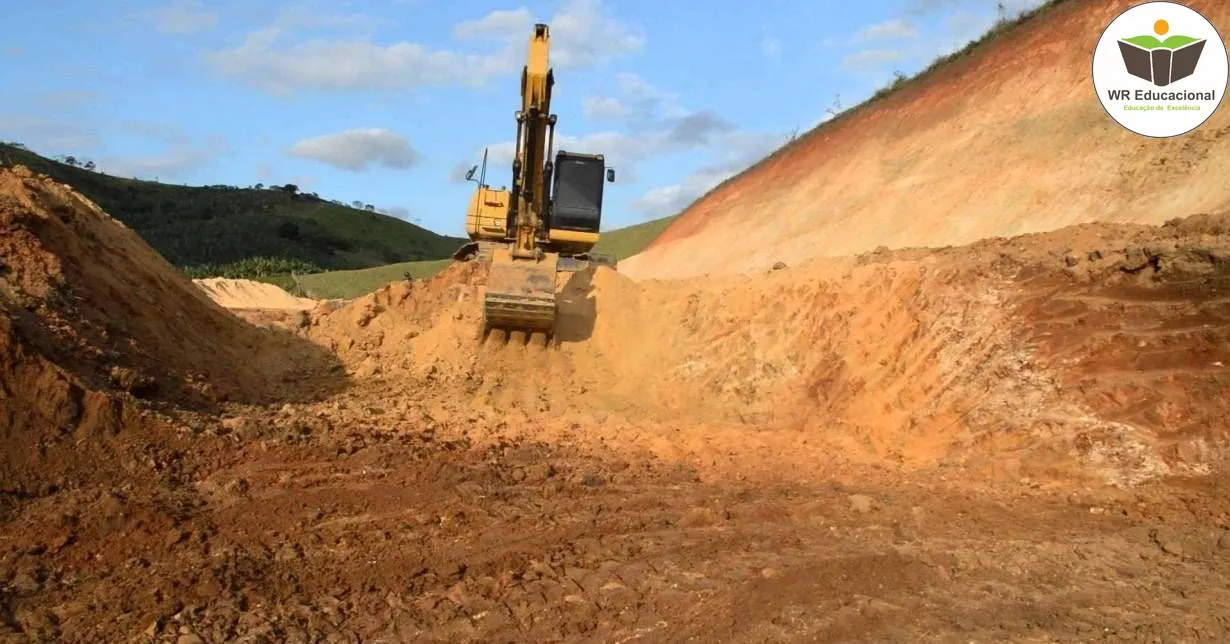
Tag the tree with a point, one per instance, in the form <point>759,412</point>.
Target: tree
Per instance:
<point>356,204</point>
<point>71,160</point>
<point>89,165</point>
<point>369,208</point>
<point>290,188</point>
<point>259,186</point>
<point>288,230</point>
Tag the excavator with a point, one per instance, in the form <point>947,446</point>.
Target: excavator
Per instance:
<point>546,223</point>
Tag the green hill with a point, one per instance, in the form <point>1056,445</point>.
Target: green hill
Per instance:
<point>622,243</point>
<point>626,242</point>
<point>244,232</point>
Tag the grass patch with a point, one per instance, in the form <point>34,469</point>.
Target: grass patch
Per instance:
<point>626,242</point>
<point>622,243</point>
<point>356,283</point>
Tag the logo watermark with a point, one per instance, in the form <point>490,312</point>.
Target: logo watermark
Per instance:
<point>1160,69</point>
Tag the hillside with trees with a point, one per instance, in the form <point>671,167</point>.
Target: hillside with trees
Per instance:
<point>244,231</point>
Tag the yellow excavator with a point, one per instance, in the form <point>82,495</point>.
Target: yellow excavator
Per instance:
<point>548,222</point>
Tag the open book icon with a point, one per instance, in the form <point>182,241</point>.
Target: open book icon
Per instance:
<point>1161,62</point>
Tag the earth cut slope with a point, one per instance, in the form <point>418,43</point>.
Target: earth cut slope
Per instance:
<point>1007,140</point>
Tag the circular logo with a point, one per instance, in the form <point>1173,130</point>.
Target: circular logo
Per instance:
<point>1160,69</point>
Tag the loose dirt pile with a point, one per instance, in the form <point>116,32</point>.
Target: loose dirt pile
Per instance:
<point>250,294</point>
<point>896,446</point>
<point>92,319</point>
<point>987,145</point>
<point>1103,345</point>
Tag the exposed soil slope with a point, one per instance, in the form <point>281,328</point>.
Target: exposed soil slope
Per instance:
<point>91,319</point>
<point>1007,140</point>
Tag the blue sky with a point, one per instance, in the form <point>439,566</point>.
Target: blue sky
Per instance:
<point>388,101</point>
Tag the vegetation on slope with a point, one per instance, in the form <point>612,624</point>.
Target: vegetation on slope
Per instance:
<point>622,243</point>
<point>244,232</point>
<point>626,242</point>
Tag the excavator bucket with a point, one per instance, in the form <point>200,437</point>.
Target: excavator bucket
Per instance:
<point>520,293</point>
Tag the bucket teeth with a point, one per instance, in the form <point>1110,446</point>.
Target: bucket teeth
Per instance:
<point>519,312</point>
<point>521,296</point>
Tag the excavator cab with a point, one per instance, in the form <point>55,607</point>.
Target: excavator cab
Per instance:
<point>576,201</point>
<point>575,214</point>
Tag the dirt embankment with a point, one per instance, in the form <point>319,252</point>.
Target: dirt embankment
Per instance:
<point>1100,348</point>
<point>92,319</point>
<point>1007,140</point>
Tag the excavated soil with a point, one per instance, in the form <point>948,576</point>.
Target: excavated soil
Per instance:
<point>1019,440</point>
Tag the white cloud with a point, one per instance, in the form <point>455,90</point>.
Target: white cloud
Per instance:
<point>1011,7</point>
<point>638,102</point>
<point>458,173</point>
<point>890,29</point>
<point>182,156</point>
<point>47,135</point>
<point>583,35</point>
<point>169,164</point>
<point>306,16</point>
<point>654,126</point>
<point>358,149</point>
<point>604,107</point>
<point>277,59</point>
<point>741,149</point>
<point>499,24</point>
<point>627,149</point>
<point>870,59</point>
<point>182,17</point>
<point>268,64</point>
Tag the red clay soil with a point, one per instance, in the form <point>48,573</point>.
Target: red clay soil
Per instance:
<point>1019,440</point>
<point>1009,139</point>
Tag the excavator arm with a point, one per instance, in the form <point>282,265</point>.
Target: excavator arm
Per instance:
<point>535,140</point>
<point>520,295</point>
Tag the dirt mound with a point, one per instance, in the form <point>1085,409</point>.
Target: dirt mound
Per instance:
<point>984,146</point>
<point>907,428</point>
<point>92,321</point>
<point>917,357</point>
<point>250,294</point>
